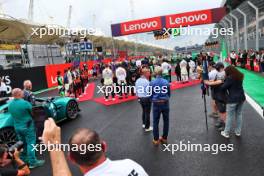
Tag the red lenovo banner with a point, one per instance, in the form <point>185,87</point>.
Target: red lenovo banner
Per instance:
<point>189,18</point>
<point>139,26</point>
<point>169,21</point>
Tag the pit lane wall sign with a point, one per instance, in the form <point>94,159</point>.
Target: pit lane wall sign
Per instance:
<point>169,21</point>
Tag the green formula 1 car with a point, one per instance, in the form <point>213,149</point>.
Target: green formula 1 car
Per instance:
<point>59,108</point>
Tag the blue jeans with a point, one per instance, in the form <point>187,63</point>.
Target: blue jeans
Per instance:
<point>158,109</point>
<point>234,110</point>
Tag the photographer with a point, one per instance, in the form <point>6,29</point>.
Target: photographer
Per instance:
<point>11,164</point>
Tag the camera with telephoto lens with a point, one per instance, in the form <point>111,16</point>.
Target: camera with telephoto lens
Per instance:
<point>11,150</point>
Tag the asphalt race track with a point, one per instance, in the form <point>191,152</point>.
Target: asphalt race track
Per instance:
<point>120,127</point>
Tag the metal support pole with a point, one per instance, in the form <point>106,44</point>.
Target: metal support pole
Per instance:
<point>228,38</point>
<point>245,28</point>
<point>237,30</point>
<point>232,38</point>
<point>223,24</point>
<point>257,23</point>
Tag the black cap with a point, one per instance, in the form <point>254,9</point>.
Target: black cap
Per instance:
<point>219,65</point>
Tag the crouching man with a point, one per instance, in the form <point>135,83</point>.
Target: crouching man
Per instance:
<point>91,163</point>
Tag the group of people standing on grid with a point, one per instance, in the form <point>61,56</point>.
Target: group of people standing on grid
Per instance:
<point>73,82</point>
<point>119,78</point>
<point>185,70</point>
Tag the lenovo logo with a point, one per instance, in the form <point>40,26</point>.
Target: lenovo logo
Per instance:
<point>141,26</point>
<point>188,19</point>
<point>185,19</point>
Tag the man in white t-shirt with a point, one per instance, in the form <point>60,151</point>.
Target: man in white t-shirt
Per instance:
<point>191,69</point>
<point>108,82</point>
<point>166,68</point>
<point>121,81</point>
<point>138,63</point>
<point>92,160</point>
<point>184,72</point>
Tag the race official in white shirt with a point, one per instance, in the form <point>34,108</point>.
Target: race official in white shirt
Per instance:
<point>184,72</point>
<point>192,68</point>
<point>166,67</point>
<point>108,83</point>
<point>121,81</point>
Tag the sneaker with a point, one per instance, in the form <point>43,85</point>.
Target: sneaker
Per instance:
<point>155,142</point>
<point>163,141</point>
<point>222,128</point>
<point>143,126</point>
<point>213,115</point>
<point>225,134</point>
<point>113,99</point>
<point>38,163</point>
<point>219,124</point>
<point>149,129</point>
<point>106,100</point>
<point>237,134</point>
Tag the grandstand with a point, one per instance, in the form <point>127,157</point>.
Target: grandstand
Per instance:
<point>19,46</point>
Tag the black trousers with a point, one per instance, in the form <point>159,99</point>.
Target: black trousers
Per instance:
<point>109,91</point>
<point>146,108</point>
<point>178,77</point>
<point>233,61</point>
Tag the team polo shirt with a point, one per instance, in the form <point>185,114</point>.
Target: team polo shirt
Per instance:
<point>125,167</point>
<point>21,112</point>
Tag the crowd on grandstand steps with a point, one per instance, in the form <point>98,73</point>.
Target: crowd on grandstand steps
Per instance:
<point>252,60</point>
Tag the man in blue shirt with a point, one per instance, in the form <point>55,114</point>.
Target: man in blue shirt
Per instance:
<point>28,94</point>
<point>142,91</point>
<point>160,99</point>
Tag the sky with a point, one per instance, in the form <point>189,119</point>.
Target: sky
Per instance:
<point>100,14</point>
